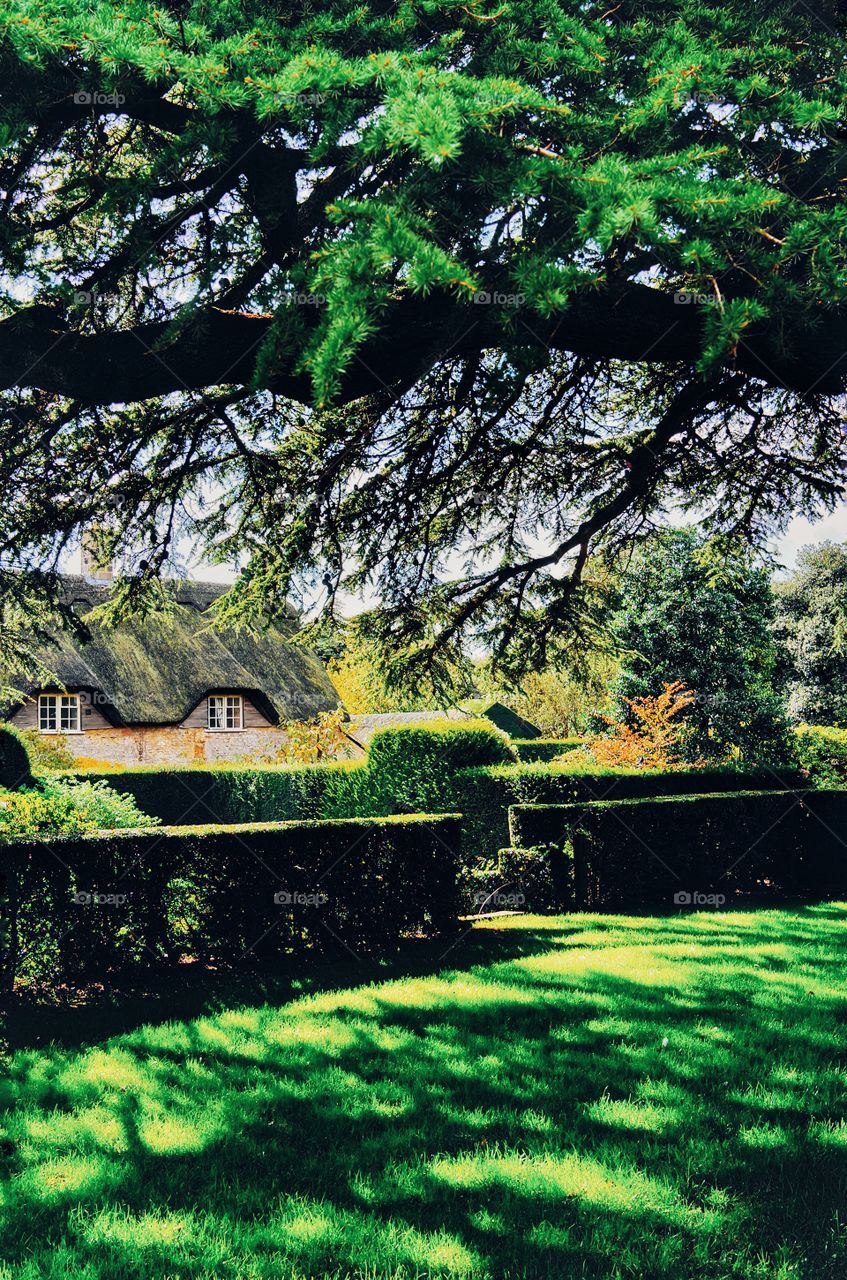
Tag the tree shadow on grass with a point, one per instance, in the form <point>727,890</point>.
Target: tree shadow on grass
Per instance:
<point>602,1096</point>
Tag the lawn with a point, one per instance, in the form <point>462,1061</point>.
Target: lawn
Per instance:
<point>603,1096</point>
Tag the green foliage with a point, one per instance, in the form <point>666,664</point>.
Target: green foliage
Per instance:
<point>48,753</point>
<point>545,750</point>
<point>484,795</point>
<point>560,704</point>
<point>822,753</point>
<point>15,763</point>
<point>227,893</point>
<point>65,807</point>
<point>445,745</point>
<point>413,277</point>
<point>693,611</point>
<point>518,880</point>
<point>233,794</point>
<point>409,770</point>
<point>811,630</point>
<point>414,768</point>
<point>650,851</point>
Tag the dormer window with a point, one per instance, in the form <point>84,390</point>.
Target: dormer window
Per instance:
<point>225,711</point>
<point>59,713</point>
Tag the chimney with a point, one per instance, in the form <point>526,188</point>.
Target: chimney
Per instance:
<point>92,566</point>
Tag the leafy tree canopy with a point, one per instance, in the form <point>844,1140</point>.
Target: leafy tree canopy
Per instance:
<point>698,613</point>
<point>426,299</point>
<point>811,628</point>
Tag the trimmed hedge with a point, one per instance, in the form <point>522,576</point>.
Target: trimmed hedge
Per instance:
<point>451,744</point>
<point>628,853</point>
<point>543,750</point>
<point>406,771</point>
<point>15,765</point>
<point>81,906</point>
<point>484,796</point>
<point>412,770</point>
<point>225,794</point>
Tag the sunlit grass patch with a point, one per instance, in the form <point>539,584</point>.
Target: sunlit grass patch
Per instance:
<point>605,1097</point>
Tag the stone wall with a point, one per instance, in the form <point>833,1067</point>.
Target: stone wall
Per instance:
<point>171,745</point>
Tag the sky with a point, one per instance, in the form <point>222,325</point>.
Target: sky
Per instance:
<point>801,532</point>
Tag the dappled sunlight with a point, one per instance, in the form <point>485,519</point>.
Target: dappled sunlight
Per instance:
<point>573,1177</point>
<point>602,1096</point>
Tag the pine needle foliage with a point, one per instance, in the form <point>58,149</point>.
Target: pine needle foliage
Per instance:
<point>387,296</point>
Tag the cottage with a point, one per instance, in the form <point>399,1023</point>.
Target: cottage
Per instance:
<point>165,688</point>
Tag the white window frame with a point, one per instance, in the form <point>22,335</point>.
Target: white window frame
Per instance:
<point>64,710</point>
<point>224,712</point>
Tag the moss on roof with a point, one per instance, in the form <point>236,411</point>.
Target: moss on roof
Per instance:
<point>156,669</point>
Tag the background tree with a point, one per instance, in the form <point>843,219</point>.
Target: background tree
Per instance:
<point>370,679</point>
<point>561,704</point>
<point>811,630</point>
<point>701,613</point>
<point>426,300</point>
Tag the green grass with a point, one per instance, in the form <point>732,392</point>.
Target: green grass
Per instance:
<point>602,1096</point>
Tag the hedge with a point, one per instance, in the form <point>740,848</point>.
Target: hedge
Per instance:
<point>15,765</point>
<point>628,853</point>
<point>483,796</point>
<point>411,771</point>
<point>78,907</point>
<point>223,794</point>
<point>406,771</point>
<point>543,750</point>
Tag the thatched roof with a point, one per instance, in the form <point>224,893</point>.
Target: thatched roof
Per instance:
<point>155,670</point>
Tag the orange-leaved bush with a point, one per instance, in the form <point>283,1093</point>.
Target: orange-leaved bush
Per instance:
<point>653,735</point>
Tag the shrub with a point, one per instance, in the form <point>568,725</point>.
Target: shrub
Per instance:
<point>311,741</point>
<point>653,737</point>
<point>822,752</point>
<point>48,753</point>
<point>65,807</point>
<point>544,750</point>
<point>628,853</point>
<point>86,904</point>
<point>412,767</point>
<point>15,766</point>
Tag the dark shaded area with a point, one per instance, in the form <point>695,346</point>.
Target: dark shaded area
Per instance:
<point>82,908</point>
